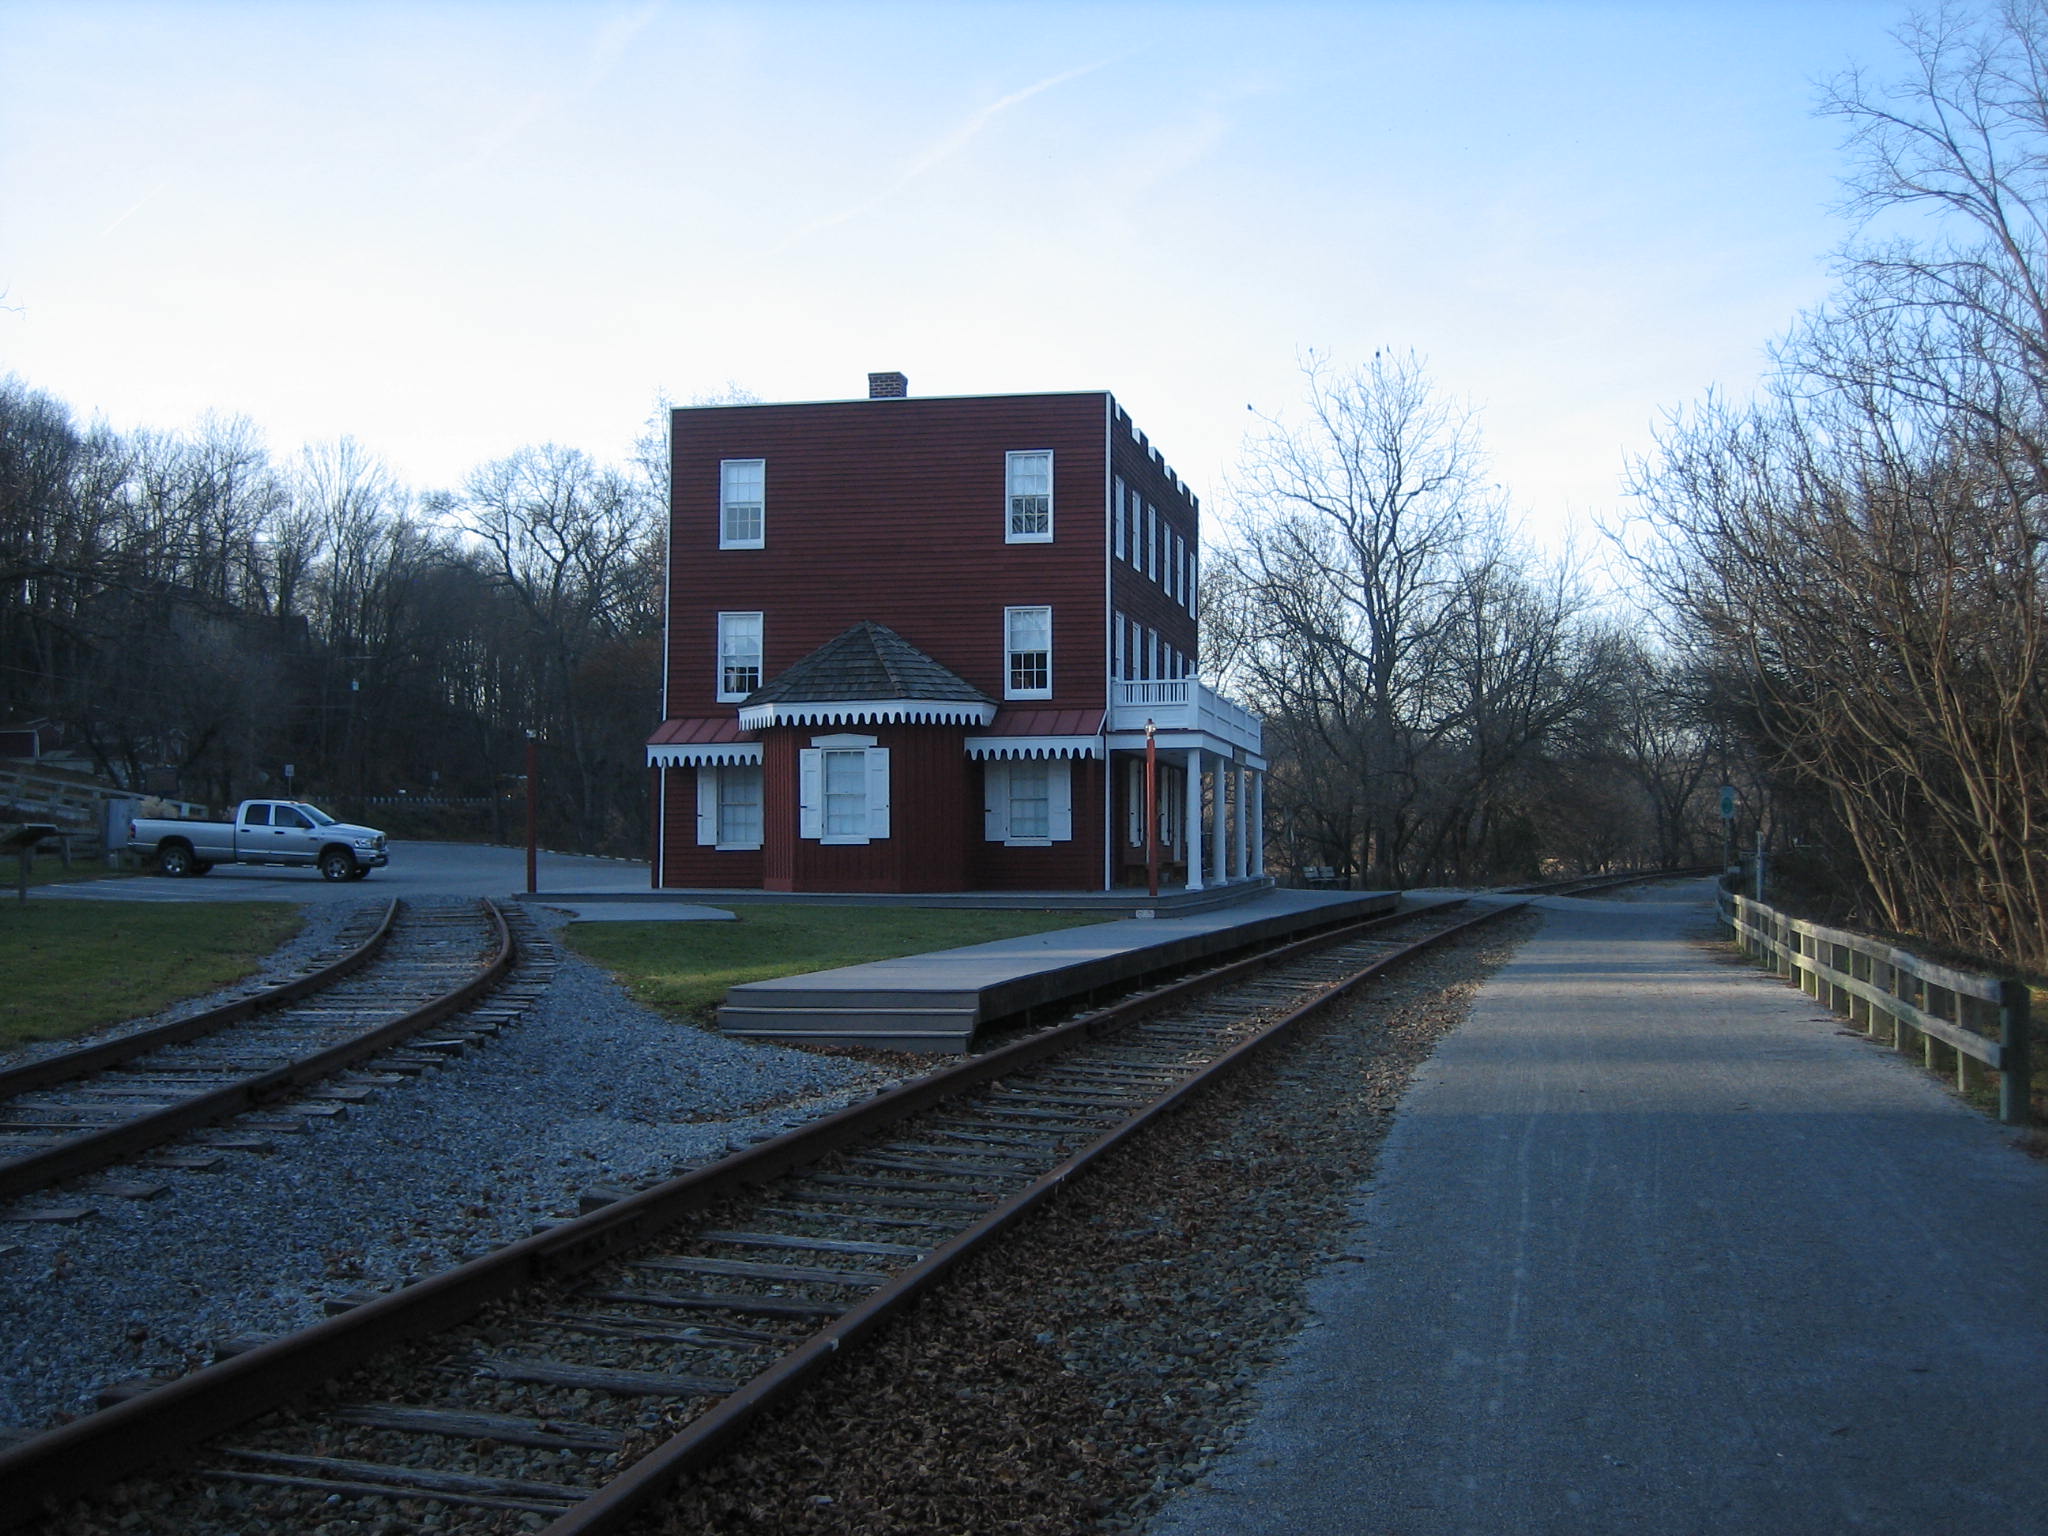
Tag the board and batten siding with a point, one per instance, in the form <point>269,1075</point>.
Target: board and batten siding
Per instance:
<point>1073,864</point>
<point>895,511</point>
<point>923,851</point>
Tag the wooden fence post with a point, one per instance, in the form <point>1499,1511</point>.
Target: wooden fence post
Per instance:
<point>2015,1064</point>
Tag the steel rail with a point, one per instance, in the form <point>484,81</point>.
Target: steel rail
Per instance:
<point>621,1500</point>
<point>1575,883</point>
<point>97,1058</point>
<point>79,1458</point>
<point>82,1154</point>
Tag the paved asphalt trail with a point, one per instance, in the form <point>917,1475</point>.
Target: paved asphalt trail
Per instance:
<point>1652,1249</point>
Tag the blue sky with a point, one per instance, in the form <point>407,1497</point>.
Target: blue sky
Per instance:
<point>451,229</point>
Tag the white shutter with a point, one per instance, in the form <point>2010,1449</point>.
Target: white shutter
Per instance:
<point>707,806</point>
<point>878,792</point>
<point>1059,794</point>
<point>810,799</point>
<point>995,801</point>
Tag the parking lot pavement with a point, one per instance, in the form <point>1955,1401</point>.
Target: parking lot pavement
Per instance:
<point>417,870</point>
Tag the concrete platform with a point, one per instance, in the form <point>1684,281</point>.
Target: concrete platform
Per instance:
<point>1171,902</point>
<point>936,1002</point>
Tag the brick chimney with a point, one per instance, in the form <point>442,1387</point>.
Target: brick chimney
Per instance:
<point>887,386</point>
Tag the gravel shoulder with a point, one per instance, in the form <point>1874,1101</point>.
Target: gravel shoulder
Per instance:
<point>586,1089</point>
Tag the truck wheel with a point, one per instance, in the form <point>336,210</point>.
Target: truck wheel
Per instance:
<point>175,860</point>
<point>337,864</point>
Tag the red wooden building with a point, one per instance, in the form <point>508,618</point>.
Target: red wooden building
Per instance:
<point>914,645</point>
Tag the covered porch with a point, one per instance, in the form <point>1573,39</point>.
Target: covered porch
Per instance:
<point>1207,797</point>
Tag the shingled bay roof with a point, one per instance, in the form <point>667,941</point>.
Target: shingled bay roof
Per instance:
<point>868,672</point>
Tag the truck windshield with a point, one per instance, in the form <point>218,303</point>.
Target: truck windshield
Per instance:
<point>320,817</point>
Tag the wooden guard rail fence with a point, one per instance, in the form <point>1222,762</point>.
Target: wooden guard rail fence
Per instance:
<point>1971,1020</point>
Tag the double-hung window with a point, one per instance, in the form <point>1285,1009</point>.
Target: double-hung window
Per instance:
<point>742,503</point>
<point>739,655</point>
<point>1027,653</point>
<point>1028,803</point>
<point>1030,497</point>
<point>843,789</point>
<point>1117,519</point>
<point>729,805</point>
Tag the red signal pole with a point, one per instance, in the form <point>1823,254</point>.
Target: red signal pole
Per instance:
<point>1151,808</point>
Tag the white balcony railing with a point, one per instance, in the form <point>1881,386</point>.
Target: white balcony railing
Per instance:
<point>1183,704</point>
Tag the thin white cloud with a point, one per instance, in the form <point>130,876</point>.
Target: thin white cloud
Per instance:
<point>136,207</point>
<point>942,150</point>
<point>599,60</point>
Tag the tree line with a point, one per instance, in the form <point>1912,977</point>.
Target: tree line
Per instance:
<point>1440,704</point>
<point>196,614</point>
<point>1856,556</point>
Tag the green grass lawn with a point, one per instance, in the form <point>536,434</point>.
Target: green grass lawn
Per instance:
<point>71,966</point>
<point>684,969</point>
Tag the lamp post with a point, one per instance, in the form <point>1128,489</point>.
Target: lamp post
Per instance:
<point>532,812</point>
<point>1151,808</point>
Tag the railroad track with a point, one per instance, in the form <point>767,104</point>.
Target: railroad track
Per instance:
<point>569,1378</point>
<point>87,1109</point>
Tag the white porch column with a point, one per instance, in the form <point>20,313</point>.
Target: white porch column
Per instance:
<point>1258,823</point>
<point>1191,826</point>
<point>1243,859</point>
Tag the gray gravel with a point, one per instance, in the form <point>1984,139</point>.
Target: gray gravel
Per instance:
<point>585,1090</point>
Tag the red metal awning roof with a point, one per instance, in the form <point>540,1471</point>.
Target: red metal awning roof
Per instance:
<point>1044,722</point>
<point>698,730</point>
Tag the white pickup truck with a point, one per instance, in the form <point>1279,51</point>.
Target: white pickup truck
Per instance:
<point>263,832</point>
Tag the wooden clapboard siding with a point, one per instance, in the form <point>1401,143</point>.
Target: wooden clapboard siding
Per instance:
<point>895,511</point>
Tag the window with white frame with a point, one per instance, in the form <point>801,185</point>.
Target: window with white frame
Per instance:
<point>739,655</point>
<point>1194,577</point>
<point>843,790</point>
<point>1151,541</point>
<point>1028,803</point>
<point>1116,646</point>
<point>729,805</point>
<point>742,503</point>
<point>1030,495</point>
<point>1027,653</point>
<point>1116,508</point>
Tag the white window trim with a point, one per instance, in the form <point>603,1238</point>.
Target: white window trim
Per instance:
<point>1117,518</point>
<point>1010,651</point>
<point>1010,533</point>
<point>995,806</point>
<point>723,694</point>
<point>760,540</point>
<point>811,790</point>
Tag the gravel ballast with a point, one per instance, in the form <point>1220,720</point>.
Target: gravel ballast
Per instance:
<point>585,1090</point>
<point>1070,1378</point>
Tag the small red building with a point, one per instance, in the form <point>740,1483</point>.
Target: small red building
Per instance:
<point>915,645</point>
